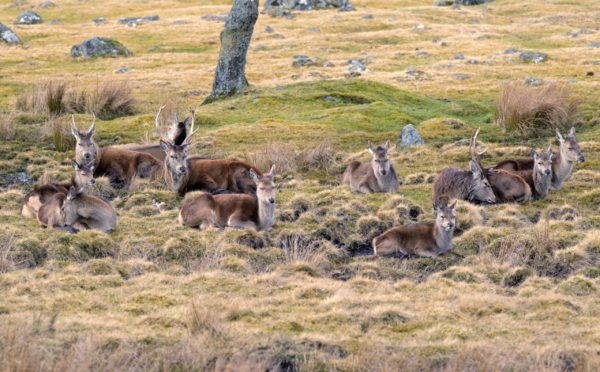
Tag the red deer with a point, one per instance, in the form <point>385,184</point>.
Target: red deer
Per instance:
<point>234,210</point>
<point>424,239</point>
<point>378,175</point>
<point>83,212</point>
<point>473,185</point>
<point>540,177</point>
<point>569,153</point>
<point>507,186</point>
<point>83,176</point>
<point>120,165</point>
<point>183,173</point>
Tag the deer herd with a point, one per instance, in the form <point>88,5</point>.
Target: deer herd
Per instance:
<point>236,194</point>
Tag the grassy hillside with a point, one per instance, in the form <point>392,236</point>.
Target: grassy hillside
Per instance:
<point>521,293</point>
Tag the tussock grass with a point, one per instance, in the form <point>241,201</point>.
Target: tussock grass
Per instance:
<point>536,110</point>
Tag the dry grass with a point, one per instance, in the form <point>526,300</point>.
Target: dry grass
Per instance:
<point>107,100</point>
<point>7,125</point>
<point>536,110</point>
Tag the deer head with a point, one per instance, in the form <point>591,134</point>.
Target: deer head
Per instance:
<point>381,164</point>
<point>176,154</point>
<point>445,216</point>
<point>543,162</point>
<point>569,148</point>
<point>84,174</point>
<point>265,186</point>
<point>86,150</point>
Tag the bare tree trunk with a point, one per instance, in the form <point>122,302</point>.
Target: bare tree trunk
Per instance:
<point>230,76</point>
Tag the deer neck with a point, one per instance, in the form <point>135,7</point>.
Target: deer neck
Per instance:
<point>541,183</point>
<point>443,238</point>
<point>175,180</point>
<point>266,214</point>
<point>385,182</point>
<point>561,169</point>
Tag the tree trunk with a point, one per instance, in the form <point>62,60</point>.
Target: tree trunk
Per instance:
<point>230,76</point>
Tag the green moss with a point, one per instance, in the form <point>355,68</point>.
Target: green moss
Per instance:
<point>81,247</point>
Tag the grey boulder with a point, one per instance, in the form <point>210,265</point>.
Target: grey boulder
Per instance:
<point>410,136</point>
<point>99,47</point>
<point>29,18</point>
<point>8,36</point>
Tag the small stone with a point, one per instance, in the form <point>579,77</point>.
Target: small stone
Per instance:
<point>443,43</point>
<point>596,63</point>
<point>535,57</point>
<point>533,81</point>
<point>123,70</point>
<point>99,47</point>
<point>422,53</point>
<point>216,18</point>
<point>28,18</point>
<point>303,61</point>
<point>355,66</point>
<point>268,29</point>
<point>314,30</point>
<point>595,44</point>
<point>56,22</point>
<point>459,56</point>
<point>473,62</point>
<point>194,93</point>
<point>368,16</point>
<point>511,51</point>
<point>180,22</point>
<point>346,7</point>
<point>328,64</point>
<point>45,5</point>
<point>281,13</point>
<point>589,74</point>
<point>134,21</point>
<point>443,2</point>
<point>329,99</point>
<point>410,136</point>
<point>8,36</point>
<point>100,21</point>
<point>419,28</point>
<point>461,77</point>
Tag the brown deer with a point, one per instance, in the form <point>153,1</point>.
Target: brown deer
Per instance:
<point>83,176</point>
<point>82,212</point>
<point>234,210</point>
<point>473,185</point>
<point>177,133</point>
<point>508,187</point>
<point>183,173</point>
<point>376,176</point>
<point>423,239</point>
<point>539,178</point>
<point>569,153</point>
<point>120,165</point>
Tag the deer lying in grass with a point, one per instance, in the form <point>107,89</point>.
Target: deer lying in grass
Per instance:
<point>539,178</point>
<point>562,165</point>
<point>507,186</point>
<point>473,185</point>
<point>183,173</point>
<point>83,176</point>
<point>234,210</point>
<point>177,133</point>
<point>378,175</point>
<point>119,164</point>
<point>424,239</point>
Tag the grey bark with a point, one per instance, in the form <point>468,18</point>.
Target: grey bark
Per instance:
<point>230,76</point>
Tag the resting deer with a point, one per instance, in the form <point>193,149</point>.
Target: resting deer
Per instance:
<point>82,212</point>
<point>183,173</point>
<point>176,134</point>
<point>424,239</point>
<point>473,185</point>
<point>83,176</point>
<point>378,175</point>
<point>507,186</point>
<point>119,164</point>
<point>540,177</point>
<point>569,153</point>
<point>234,210</point>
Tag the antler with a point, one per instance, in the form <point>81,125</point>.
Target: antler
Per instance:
<point>157,124</point>
<point>473,145</point>
<point>192,132</point>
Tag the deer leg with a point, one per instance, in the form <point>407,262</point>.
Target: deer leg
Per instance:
<point>364,188</point>
<point>239,222</point>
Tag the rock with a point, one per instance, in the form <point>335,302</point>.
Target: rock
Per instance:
<point>443,2</point>
<point>100,21</point>
<point>511,51</point>
<point>472,2</point>
<point>99,47</point>
<point>134,21</point>
<point>180,22</point>
<point>595,44</point>
<point>195,93</point>
<point>589,74</point>
<point>461,77</point>
<point>596,63</point>
<point>123,70</point>
<point>216,18</point>
<point>56,22</point>
<point>533,81</point>
<point>368,16</point>
<point>314,30</point>
<point>419,28</point>
<point>422,53</point>
<point>472,62</point>
<point>535,57</point>
<point>417,74</point>
<point>279,12</point>
<point>459,56</point>
<point>303,61</point>
<point>357,66</point>
<point>8,36</point>
<point>330,99</point>
<point>268,29</point>
<point>28,18</point>
<point>45,4</point>
<point>410,136</point>
<point>342,5</point>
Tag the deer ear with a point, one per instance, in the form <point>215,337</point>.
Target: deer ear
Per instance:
<point>272,171</point>
<point>572,132</point>
<point>75,132</point>
<point>453,205</point>
<point>253,175</point>
<point>475,169</point>
<point>559,136</point>
<point>188,121</point>
<point>533,153</point>
<point>72,193</point>
<point>387,145</point>
<point>165,146</point>
<point>371,148</point>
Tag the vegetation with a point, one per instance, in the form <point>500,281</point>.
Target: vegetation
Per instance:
<point>154,295</point>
